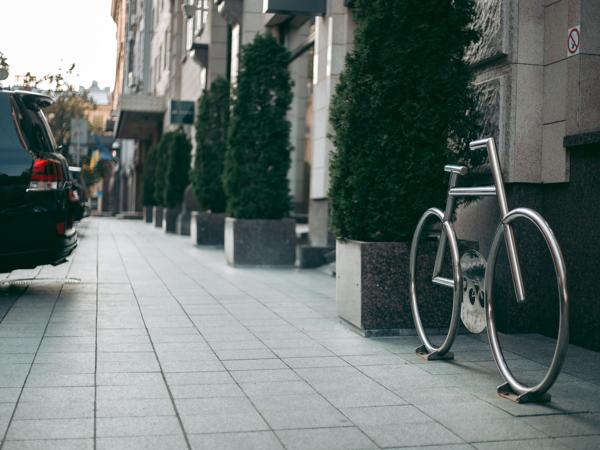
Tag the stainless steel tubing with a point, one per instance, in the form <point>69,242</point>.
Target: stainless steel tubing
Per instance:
<point>478,191</point>
<point>447,230</point>
<point>562,340</point>
<point>460,170</point>
<point>443,281</point>
<point>439,257</point>
<point>511,246</point>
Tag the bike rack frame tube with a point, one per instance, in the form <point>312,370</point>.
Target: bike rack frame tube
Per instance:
<point>483,191</point>
<point>511,247</point>
<point>450,201</point>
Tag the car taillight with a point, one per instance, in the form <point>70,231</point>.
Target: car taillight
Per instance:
<point>60,228</point>
<point>45,175</point>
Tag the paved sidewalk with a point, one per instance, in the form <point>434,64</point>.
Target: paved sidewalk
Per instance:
<point>161,345</point>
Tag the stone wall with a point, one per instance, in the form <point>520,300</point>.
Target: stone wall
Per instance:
<point>334,35</point>
<point>543,108</point>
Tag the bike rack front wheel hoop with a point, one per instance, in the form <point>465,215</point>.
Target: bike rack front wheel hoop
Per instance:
<point>456,276</point>
<point>562,340</point>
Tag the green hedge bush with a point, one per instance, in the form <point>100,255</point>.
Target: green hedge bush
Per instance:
<point>178,168</point>
<point>160,172</point>
<point>258,152</point>
<point>400,110</point>
<point>150,176</point>
<point>211,140</point>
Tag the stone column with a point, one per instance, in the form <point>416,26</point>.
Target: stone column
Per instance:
<point>298,68</point>
<point>334,36</point>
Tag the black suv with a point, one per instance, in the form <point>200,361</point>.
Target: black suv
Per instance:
<point>36,218</point>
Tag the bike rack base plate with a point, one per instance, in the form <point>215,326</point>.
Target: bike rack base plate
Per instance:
<point>505,391</point>
<point>433,356</point>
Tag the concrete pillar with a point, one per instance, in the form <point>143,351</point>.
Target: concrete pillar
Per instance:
<point>334,35</point>
<point>217,51</point>
<point>298,68</point>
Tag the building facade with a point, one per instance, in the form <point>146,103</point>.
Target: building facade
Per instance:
<point>163,56</point>
<point>138,113</point>
<point>539,95</point>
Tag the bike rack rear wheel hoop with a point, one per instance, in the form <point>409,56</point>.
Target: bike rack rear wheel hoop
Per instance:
<point>428,350</point>
<point>513,388</point>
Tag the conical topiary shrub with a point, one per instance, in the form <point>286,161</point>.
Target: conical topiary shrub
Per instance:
<point>149,175</point>
<point>399,110</point>
<point>176,176</point>
<point>178,168</point>
<point>258,153</point>
<point>211,139</point>
<point>207,225</point>
<point>258,159</point>
<point>160,171</point>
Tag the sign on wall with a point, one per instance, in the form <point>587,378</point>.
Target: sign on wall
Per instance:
<point>182,112</point>
<point>573,41</point>
<point>79,139</point>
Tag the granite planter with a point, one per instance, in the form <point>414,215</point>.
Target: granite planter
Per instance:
<point>372,288</point>
<point>169,222</point>
<point>260,242</point>
<point>182,225</point>
<point>207,228</point>
<point>148,214</point>
<point>190,204</point>
<point>157,216</point>
<point>310,256</point>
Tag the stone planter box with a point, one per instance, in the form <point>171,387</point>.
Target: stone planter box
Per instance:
<point>157,216</point>
<point>182,225</point>
<point>372,288</point>
<point>310,256</point>
<point>169,223</point>
<point>148,214</point>
<point>260,242</point>
<point>207,228</point>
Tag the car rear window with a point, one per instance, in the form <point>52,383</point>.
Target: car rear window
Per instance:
<point>15,159</point>
<point>9,136</point>
<point>33,127</point>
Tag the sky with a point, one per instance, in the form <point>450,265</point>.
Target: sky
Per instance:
<point>43,36</point>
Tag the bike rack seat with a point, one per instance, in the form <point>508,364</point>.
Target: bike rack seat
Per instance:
<point>460,170</point>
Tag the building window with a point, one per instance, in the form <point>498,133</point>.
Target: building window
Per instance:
<point>155,16</point>
<point>160,57</point>
<point>155,73</point>
<point>166,58</point>
<point>201,16</point>
<point>189,29</point>
<point>195,24</point>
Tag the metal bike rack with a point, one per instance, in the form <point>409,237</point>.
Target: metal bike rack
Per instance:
<point>475,265</point>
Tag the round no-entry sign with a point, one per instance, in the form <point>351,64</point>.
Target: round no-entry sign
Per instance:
<point>573,40</point>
